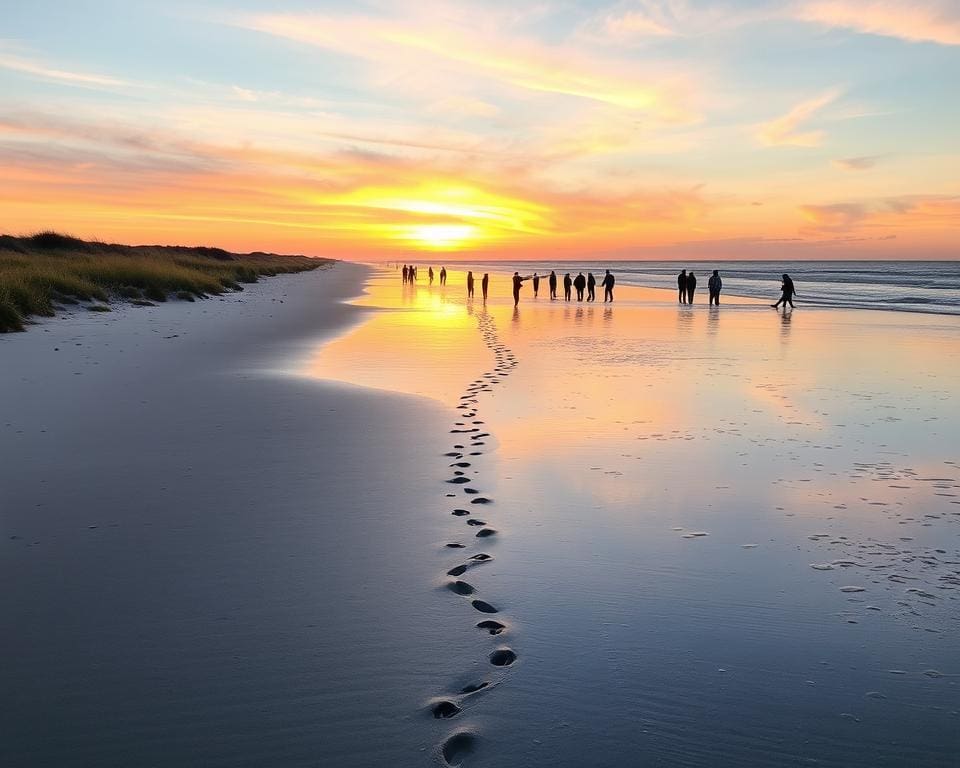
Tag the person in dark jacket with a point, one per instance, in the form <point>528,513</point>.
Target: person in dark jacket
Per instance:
<point>591,287</point>
<point>580,282</point>
<point>714,284</point>
<point>608,281</point>
<point>567,283</point>
<point>682,285</point>
<point>691,286</point>
<point>443,275</point>
<point>787,292</point>
<point>517,285</point>
<point>553,284</point>
<point>484,285</point>
<point>536,285</point>
<point>430,274</point>
<point>405,273</point>
<point>469,285</point>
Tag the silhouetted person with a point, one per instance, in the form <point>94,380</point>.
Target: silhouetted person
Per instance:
<point>406,273</point>
<point>536,285</point>
<point>714,284</point>
<point>580,282</point>
<point>608,281</point>
<point>567,283</point>
<point>469,285</point>
<point>430,275</point>
<point>591,287</point>
<point>691,286</point>
<point>682,285</point>
<point>413,273</point>
<point>787,292</point>
<point>484,285</point>
<point>443,275</point>
<point>517,285</point>
<point>552,280</point>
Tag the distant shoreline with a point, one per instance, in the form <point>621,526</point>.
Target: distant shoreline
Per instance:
<point>43,273</point>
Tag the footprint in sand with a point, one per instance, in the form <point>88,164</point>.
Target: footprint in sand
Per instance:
<point>459,480</point>
<point>444,710</point>
<point>455,545</point>
<point>457,747</point>
<point>481,500</point>
<point>481,556</point>
<point>502,657</point>
<point>482,534</point>
<point>474,687</point>
<point>483,606</point>
<point>460,512</point>
<point>493,627</point>
<point>461,588</point>
<point>474,521</point>
<point>461,464</point>
<point>458,570</point>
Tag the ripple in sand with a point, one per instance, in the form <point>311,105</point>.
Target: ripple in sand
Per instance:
<point>853,589</point>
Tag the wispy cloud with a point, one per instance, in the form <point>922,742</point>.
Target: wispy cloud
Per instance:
<point>35,68</point>
<point>517,62</point>
<point>857,163</point>
<point>900,211</point>
<point>935,21</point>
<point>788,129</point>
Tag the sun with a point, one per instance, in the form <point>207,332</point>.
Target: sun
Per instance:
<point>442,237</point>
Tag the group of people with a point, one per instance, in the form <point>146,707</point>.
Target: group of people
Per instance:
<point>410,274</point>
<point>579,282</point>
<point>686,285</point>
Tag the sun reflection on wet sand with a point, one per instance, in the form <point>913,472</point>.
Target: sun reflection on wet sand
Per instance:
<point>747,481</point>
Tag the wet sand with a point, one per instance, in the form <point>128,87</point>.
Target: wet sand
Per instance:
<point>416,531</point>
<point>723,537</point>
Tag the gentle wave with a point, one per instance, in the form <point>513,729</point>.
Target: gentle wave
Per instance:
<point>931,287</point>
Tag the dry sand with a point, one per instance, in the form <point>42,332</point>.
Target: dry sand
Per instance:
<point>716,538</point>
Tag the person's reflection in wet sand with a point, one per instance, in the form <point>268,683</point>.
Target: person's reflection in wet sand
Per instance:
<point>713,320</point>
<point>786,317</point>
<point>515,318</point>
<point>607,314</point>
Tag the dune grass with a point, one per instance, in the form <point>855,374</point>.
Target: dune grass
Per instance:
<point>44,271</point>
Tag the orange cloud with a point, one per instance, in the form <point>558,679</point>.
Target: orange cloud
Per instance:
<point>911,20</point>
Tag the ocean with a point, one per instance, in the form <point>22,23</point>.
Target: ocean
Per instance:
<point>931,287</point>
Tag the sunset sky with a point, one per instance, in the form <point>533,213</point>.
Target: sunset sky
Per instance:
<point>561,128</point>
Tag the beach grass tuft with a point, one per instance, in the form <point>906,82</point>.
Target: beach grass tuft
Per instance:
<point>40,271</point>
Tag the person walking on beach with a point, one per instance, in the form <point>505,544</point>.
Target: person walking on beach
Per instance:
<point>405,273</point>
<point>443,275</point>
<point>484,284</point>
<point>553,284</point>
<point>714,284</point>
<point>469,285</point>
<point>430,275</point>
<point>580,282</point>
<point>567,283</point>
<point>682,285</point>
<point>517,285</point>
<point>691,286</point>
<point>608,281</point>
<point>787,292</point>
<point>536,285</point>
<point>591,287</point>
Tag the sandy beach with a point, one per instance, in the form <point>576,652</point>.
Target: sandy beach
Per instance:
<point>340,521</point>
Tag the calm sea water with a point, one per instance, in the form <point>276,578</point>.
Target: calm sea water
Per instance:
<point>904,286</point>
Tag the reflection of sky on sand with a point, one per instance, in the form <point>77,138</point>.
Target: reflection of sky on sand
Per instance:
<point>823,440</point>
